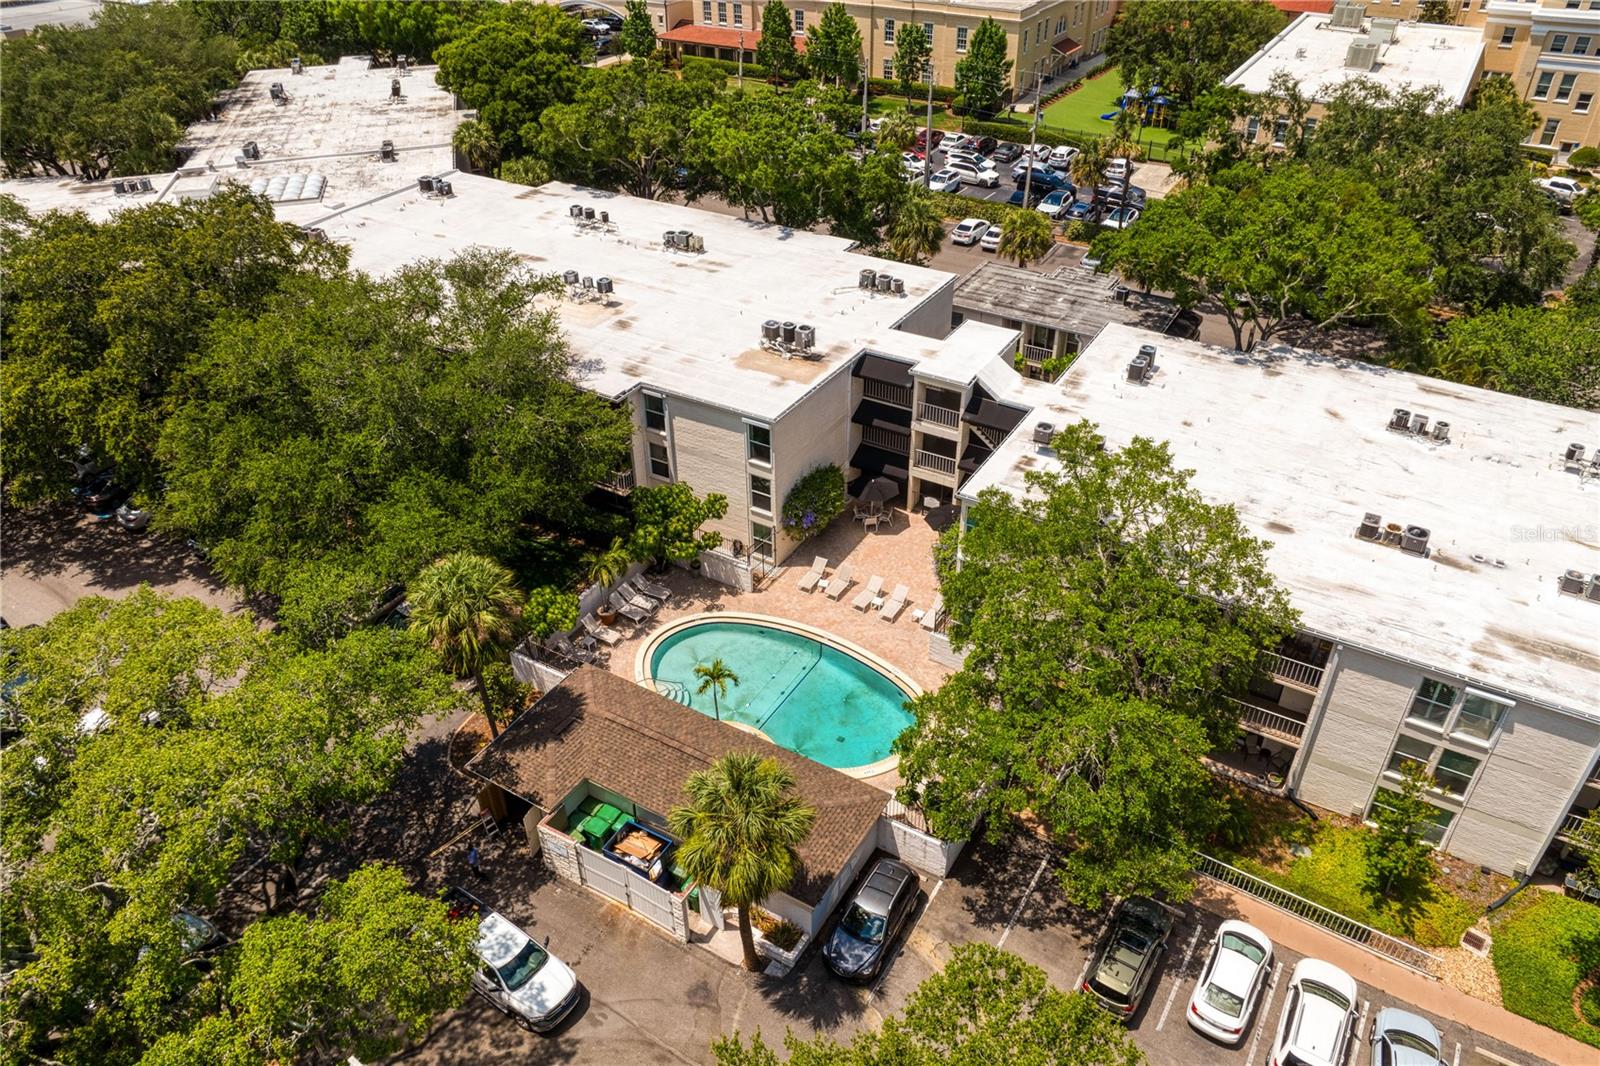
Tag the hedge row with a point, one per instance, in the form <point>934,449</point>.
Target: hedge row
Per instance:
<point>944,94</point>
<point>1014,130</point>
<point>954,205</point>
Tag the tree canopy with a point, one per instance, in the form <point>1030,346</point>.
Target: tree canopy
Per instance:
<point>111,98</point>
<point>986,1006</point>
<point>1545,353</point>
<point>1104,620</point>
<point>1269,246</point>
<point>833,47</point>
<point>1185,47</point>
<point>981,74</point>
<point>161,742</point>
<point>911,51</point>
<point>775,50</point>
<point>638,36</point>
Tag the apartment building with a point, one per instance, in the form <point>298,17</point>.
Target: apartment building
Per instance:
<point>1441,544</point>
<point>1044,38</point>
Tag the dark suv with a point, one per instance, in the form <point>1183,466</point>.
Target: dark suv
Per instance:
<point>1121,972</point>
<point>872,919</point>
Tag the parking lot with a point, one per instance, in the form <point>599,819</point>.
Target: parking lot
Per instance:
<point>650,1000</point>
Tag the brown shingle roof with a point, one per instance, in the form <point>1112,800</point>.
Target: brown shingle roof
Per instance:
<point>602,728</point>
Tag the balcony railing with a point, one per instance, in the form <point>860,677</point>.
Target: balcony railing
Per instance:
<point>1294,672</point>
<point>1271,723</point>
<point>887,439</point>
<point>1034,353</point>
<point>1572,825</point>
<point>621,481</point>
<point>883,392</point>
<point>948,417</point>
<point>942,464</point>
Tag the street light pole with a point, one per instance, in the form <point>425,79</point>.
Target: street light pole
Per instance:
<point>866,75</point>
<point>927,144</point>
<point>741,63</point>
<point>1033,139</point>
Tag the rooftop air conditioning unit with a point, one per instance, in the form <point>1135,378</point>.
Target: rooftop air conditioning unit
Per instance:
<point>394,88</point>
<point>788,332</point>
<point>295,66</point>
<point>1362,55</point>
<point>1384,30</point>
<point>1573,582</point>
<point>605,218</point>
<point>1346,16</point>
<point>1149,353</point>
<point>603,286</point>
<point>1044,432</point>
<point>569,277</point>
<point>885,282</point>
<point>252,150</point>
<point>1401,419</point>
<point>897,286</point>
<point>1371,526</point>
<point>588,214</point>
<point>1593,592</point>
<point>443,187</point>
<point>1574,453</point>
<point>1419,424</point>
<point>669,239</point>
<point>403,61</point>
<point>1139,369</point>
<point>386,152</point>
<point>805,336</point>
<point>588,282</point>
<point>771,330</point>
<point>425,183</point>
<point>1441,432</point>
<point>316,233</point>
<point>1414,540</point>
<point>696,243</point>
<point>275,90</point>
<point>867,279</point>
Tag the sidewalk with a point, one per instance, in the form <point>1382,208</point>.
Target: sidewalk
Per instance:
<point>1432,996</point>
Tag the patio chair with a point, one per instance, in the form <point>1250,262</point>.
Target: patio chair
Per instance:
<point>809,579</point>
<point>603,633</point>
<point>651,588</point>
<point>626,609</point>
<point>646,603</point>
<point>865,597</point>
<point>871,521</point>
<point>894,604</point>
<point>568,650</point>
<point>842,579</point>
<point>930,617</point>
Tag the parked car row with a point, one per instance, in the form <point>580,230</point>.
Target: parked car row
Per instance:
<point>97,491</point>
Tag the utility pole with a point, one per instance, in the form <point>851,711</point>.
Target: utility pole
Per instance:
<point>1033,137</point>
<point>866,76</point>
<point>741,63</point>
<point>927,143</point>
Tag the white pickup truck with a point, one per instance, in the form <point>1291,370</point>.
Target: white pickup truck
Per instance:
<point>519,975</point>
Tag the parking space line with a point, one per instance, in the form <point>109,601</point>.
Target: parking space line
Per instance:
<point>1361,1026</point>
<point>1005,933</point>
<point>1458,1055</point>
<point>1179,978</point>
<point>1265,1012</point>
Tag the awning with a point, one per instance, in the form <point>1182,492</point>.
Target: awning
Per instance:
<point>1066,46</point>
<point>888,371</point>
<point>992,415</point>
<point>721,36</point>
<point>872,413</point>
<point>874,461</point>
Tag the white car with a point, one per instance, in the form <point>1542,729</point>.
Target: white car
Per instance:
<point>1318,1013</point>
<point>1231,985</point>
<point>1561,190</point>
<point>991,239</point>
<point>954,142</point>
<point>1118,169</point>
<point>519,976</point>
<point>945,180</point>
<point>596,26</point>
<point>972,175</point>
<point>1121,218</point>
<point>969,231</point>
<point>967,155</point>
<point>1062,157</point>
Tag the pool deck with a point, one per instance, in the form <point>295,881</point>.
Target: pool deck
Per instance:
<point>902,553</point>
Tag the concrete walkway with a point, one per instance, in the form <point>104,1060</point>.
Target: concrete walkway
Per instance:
<point>1433,997</point>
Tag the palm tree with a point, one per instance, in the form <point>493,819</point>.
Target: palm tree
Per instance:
<point>739,832</point>
<point>715,678</point>
<point>1089,165</point>
<point>473,140</point>
<point>606,568</point>
<point>917,230</point>
<point>898,131</point>
<point>470,610</point>
<point>1026,236</point>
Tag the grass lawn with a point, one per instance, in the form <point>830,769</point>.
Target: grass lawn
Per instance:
<point>879,106</point>
<point>1541,952</point>
<point>1081,110</point>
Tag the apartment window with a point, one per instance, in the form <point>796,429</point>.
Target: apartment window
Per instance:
<point>1558,43</point>
<point>738,14</point>
<point>1310,124</point>
<point>1580,47</point>
<point>655,412</point>
<point>1439,821</point>
<point>888,66</point>
<point>1547,136</point>
<point>660,465</point>
<point>799,22</point>
<point>1542,89</point>
<point>722,13</point>
<point>1454,773</point>
<point>761,542</point>
<point>1480,716</point>
<point>759,442</point>
<point>705,12</point>
<point>961,38</point>
<point>1409,754</point>
<point>1507,36</point>
<point>1564,90</point>
<point>1280,130</point>
<point>761,493</point>
<point>927,30</point>
<point>1568,147</point>
<point>1024,40</point>
<point>1573,5</point>
<point>1582,105</point>
<point>888,31</point>
<point>1432,702</point>
<point>1252,130</point>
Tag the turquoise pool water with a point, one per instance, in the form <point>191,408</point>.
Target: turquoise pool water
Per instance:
<point>805,695</point>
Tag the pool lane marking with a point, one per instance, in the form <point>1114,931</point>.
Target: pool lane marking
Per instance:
<point>1178,978</point>
<point>1017,911</point>
<point>1265,1012</point>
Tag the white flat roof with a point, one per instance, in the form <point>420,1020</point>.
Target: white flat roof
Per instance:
<point>1298,443</point>
<point>681,322</point>
<point>1448,58</point>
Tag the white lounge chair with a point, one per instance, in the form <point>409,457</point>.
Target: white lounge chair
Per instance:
<point>603,633</point>
<point>865,597</point>
<point>842,579</point>
<point>930,617</point>
<point>568,650</point>
<point>894,604</point>
<point>625,609</point>
<point>638,597</point>
<point>651,588</point>
<point>809,579</point>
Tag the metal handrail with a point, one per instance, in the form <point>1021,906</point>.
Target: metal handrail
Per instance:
<point>1271,721</point>
<point>887,439</point>
<point>948,417</point>
<point>1379,943</point>
<point>1294,671</point>
<point>912,816</point>
<point>1571,824</point>
<point>883,392</point>
<point>1037,353</point>
<point>933,461</point>
<point>621,480</point>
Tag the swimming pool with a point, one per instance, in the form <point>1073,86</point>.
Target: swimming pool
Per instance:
<point>806,694</point>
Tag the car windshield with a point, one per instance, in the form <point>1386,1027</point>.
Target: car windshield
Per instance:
<point>862,925</point>
<point>522,966</point>
<point>1315,988</point>
<point>1223,1001</point>
<point>1401,1038</point>
<point>1248,948</point>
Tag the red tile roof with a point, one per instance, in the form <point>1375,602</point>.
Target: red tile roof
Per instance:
<point>1296,7</point>
<point>721,36</point>
<point>599,727</point>
<point>1066,46</point>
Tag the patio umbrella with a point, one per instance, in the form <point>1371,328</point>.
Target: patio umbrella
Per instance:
<point>880,490</point>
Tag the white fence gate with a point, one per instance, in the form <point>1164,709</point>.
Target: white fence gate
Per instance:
<point>615,881</point>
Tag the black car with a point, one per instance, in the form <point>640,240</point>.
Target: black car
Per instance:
<point>1005,152</point>
<point>1034,195</point>
<point>1121,972</point>
<point>983,145</point>
<point>872,919</point>
<point>1114,196</point>
<point>1186,325</point>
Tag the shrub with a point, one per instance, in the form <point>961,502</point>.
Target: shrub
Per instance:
<point>1540,955</point>
<point>942,94</point>
<point>782,933</point>
<point>1584,158</point>
<point>550,610</point>
<point>815,500</point>
<point>1080,231</point>
<point>954,205</point>
<point>731,67</point>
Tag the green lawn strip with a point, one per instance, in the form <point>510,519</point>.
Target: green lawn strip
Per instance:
<point>1541,952</point>
<point>879,106</point>
<point>1081,110</point>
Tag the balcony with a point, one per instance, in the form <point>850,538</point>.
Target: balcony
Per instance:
<point>621,482</point>
<point>1270,722</point>
<point>1293,672</point>
<point>1034,353</point>
<point>1572,824</point>
<point>941,464</point>
<point>948,417</point>
<point>887,439</point>
<point>883,392</point>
